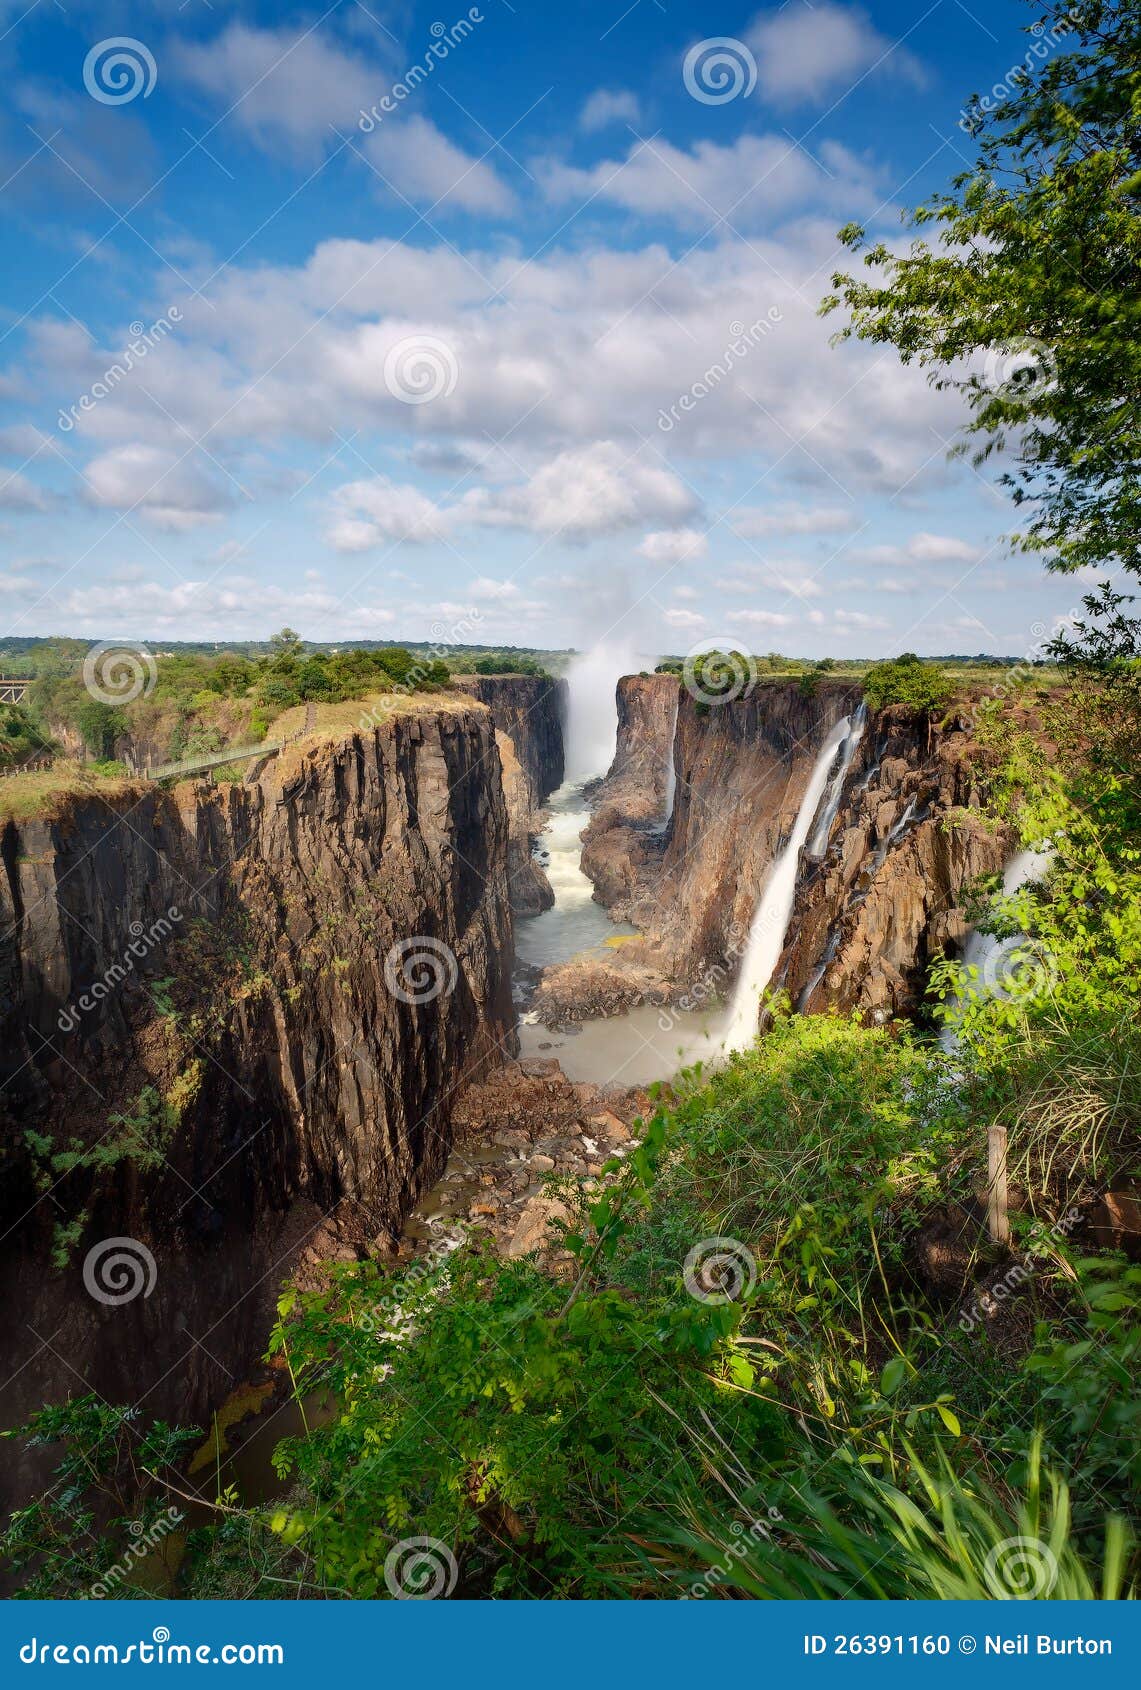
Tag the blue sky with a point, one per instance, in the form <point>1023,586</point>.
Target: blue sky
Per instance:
<point>484,324</point>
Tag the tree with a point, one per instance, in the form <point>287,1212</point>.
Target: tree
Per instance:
<point>1038,268</point>
<point>907,680</point>
<point>285,642</point>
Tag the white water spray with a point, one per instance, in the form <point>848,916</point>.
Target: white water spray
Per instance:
<point>818,844</point>
<point>671,770</point>
<point>1023,869</point>
<point>592,709</point>
<point>766,936</point>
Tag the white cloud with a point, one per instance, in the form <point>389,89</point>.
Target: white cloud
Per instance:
<point>688,620</point>
<point>485,587</point>
<point>173,491</point>
<point>686,593</point>
<point>421,164</point>
<point>922,548</point>
<point>754,522</point>
<point>281,85</point>
<point>18,493</point>
<point>609,105</point>
<point>761,618</point>
<point>747,181</point>
<point>579,494</point>
<point>379,509</point>
<point>806,53</point>
<point>304,91</point>
<point>587,491</point>
<point>858,619</point>
<point>673,545</point>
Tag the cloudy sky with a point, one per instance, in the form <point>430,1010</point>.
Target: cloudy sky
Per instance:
<point>495,324</point>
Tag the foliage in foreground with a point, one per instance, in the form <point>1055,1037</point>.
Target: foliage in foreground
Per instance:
<point>744,1380</point>
<point>1026,301</point>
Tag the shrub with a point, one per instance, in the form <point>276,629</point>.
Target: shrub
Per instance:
<point>907,680</point>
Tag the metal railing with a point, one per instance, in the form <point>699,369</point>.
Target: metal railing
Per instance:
<point>214,760</point>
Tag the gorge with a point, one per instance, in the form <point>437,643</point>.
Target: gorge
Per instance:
<point>275,1080</point>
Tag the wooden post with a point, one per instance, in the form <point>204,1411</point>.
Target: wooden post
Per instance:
<point>997,1212</point>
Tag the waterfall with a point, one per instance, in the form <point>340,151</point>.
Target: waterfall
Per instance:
<point>592,709</point>
<point>766,936</point>
<point>671,768</point>
<point>1023,868</point>
<point>818,844</point>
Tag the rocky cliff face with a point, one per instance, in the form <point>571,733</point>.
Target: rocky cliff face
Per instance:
<point>528,712</point>
<point>908,841</point>
<point>625,832</point>
<point>885,895</point>
<point>227,1012</point>
<point>741,771</point>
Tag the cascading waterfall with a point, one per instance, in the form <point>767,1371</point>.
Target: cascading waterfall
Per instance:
<point>766,936</point>
<point>1023,869</point>
<point>592,709</point>
<point>575,922</point>
<point>818,843</point>
<point>671,770</point>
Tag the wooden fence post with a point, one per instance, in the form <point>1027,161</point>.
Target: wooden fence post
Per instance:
<point>997,1211</point>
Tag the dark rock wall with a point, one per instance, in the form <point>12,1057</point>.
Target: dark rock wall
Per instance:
<point>528,712</point>
<point>296,1080</point>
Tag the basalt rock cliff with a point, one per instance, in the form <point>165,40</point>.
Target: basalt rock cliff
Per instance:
<point>741,768</point>
<point>909,841</point>
<point>886,894</point>
<point>234,1018</point>
<point>528,712</point>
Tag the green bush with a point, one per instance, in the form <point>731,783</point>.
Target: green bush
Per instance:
<point>907,680</point>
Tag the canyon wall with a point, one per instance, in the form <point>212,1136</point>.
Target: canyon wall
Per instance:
<point>233,1020</point>
<point>883,896</point>
<point>528,712</point>
<point>741,771</point>
<point>908,842</point>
